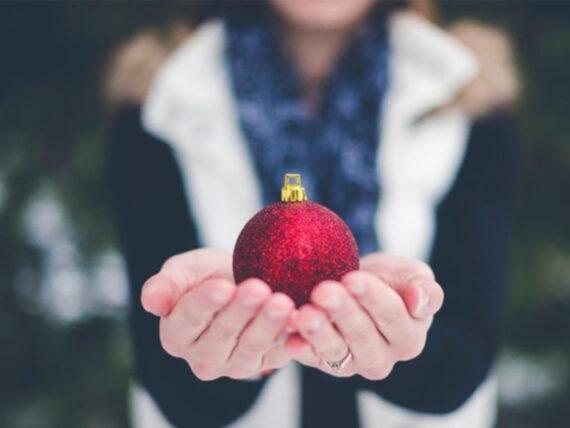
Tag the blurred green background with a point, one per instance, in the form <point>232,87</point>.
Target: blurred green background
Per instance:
<point>64,353</point>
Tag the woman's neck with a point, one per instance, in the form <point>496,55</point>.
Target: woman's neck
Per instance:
<point>314,55</point>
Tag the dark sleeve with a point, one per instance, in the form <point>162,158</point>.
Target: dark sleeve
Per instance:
<point>154,223</point>
<point>469,259</point>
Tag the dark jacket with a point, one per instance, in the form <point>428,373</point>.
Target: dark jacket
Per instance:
<point>469,259</point>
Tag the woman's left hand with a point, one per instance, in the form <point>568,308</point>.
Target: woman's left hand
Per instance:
<point>370,320</point>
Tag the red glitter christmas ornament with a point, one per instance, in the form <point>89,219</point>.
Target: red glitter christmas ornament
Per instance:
<point>294,244</point>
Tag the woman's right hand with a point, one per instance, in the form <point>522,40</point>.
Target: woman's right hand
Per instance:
<point>220,329</point>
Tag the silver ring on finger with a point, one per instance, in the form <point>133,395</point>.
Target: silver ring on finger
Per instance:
<point>337,366</point>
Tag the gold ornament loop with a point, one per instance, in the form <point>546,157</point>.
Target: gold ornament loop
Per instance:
<point>292,190</point>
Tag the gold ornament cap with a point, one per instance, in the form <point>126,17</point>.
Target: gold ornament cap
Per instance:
<point>292,190</point>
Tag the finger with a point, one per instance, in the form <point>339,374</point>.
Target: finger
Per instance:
<point>423,297</point>
<point>216,343</point>
<point>302,351</point>
<point>356,327</point>
<point>277,357</point>
<point>413,280</point>
<point>315,327</point>
<point>193,314</point>
<point>258,338</point>
<point>388,266</point>
<point>405,334</point>
<point>180,273</point>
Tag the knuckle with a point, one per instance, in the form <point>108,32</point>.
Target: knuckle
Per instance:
<point>386,318</point>
<point>358,334</point>
<point>334,353</point>
<point>251,349</point>
<point>191,321</point>
<point>203,353</point>
<point>201,356</point>
<point>223,331</point>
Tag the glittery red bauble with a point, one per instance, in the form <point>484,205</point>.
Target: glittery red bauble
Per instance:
<point>293,246</point>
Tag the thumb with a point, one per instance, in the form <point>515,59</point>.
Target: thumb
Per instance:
<point>412,279</point>
<point>180,273</point>
<point>422,295</point>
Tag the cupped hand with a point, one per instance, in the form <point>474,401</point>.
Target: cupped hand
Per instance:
<point>376,316</point>
<point>220,329</point>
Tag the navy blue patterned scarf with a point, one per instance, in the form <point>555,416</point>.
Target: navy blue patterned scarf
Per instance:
<point>335,148</point>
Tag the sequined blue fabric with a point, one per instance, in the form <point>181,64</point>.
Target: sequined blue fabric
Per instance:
<point>333,148</point>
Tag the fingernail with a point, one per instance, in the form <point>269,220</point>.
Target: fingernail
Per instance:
<point>332,302</point>
<point>357,288</point>
<point>422,308</point>
<point>219,297</point>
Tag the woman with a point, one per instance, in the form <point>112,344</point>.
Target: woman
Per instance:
<point>372,108</point>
